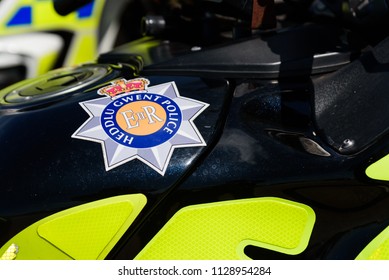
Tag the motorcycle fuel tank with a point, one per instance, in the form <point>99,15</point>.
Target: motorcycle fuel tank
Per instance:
<point>116,161</point>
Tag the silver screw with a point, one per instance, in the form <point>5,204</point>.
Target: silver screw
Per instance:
<point>347,144</point>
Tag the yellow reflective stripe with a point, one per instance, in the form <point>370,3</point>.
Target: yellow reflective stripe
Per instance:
<point>87,231</point>
<point>10,253</point>
<point>377,249</point>
<point>221,230</point>
<point>83,49</point>
<point>379,170</point>
<point>46,63</point>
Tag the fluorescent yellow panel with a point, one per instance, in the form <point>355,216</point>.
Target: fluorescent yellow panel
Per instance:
<point>46,63</point>
<point>83,49</point>
<point>10,253</point>
<point>44,18</point>
<point>43,14</point>
<point>221,230</point>
<point>83,235</point>
<point>88,231</point>
<point>377,249</point>
<point>379,170</point>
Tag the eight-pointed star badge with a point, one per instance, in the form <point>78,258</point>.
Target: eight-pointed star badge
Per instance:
<point>134,121</point>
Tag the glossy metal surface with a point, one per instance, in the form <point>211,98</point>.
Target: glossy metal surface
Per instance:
<point>263,140</point>
<point>44,170</point>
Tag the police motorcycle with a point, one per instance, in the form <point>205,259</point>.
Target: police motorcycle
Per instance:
<point>35,38</point>
<point>224,130</point>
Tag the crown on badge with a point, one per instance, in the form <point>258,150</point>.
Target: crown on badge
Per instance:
<point>123,86</point>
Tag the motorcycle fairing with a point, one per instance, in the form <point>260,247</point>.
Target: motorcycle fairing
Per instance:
<point>264,139</point>
<point>221,230</point>
<point>85,232</point>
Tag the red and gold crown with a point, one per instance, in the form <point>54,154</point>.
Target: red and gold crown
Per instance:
<point>121,86</point>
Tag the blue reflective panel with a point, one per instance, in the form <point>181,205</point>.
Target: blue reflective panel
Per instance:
<point>23,16</point>
<point>86,11</point>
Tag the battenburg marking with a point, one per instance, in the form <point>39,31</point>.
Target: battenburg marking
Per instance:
<point>136,121</point>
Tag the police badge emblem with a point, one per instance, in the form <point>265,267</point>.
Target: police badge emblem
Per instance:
<point>134,121</point>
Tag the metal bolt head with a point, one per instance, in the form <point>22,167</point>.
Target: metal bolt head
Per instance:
<point>347,144</point>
